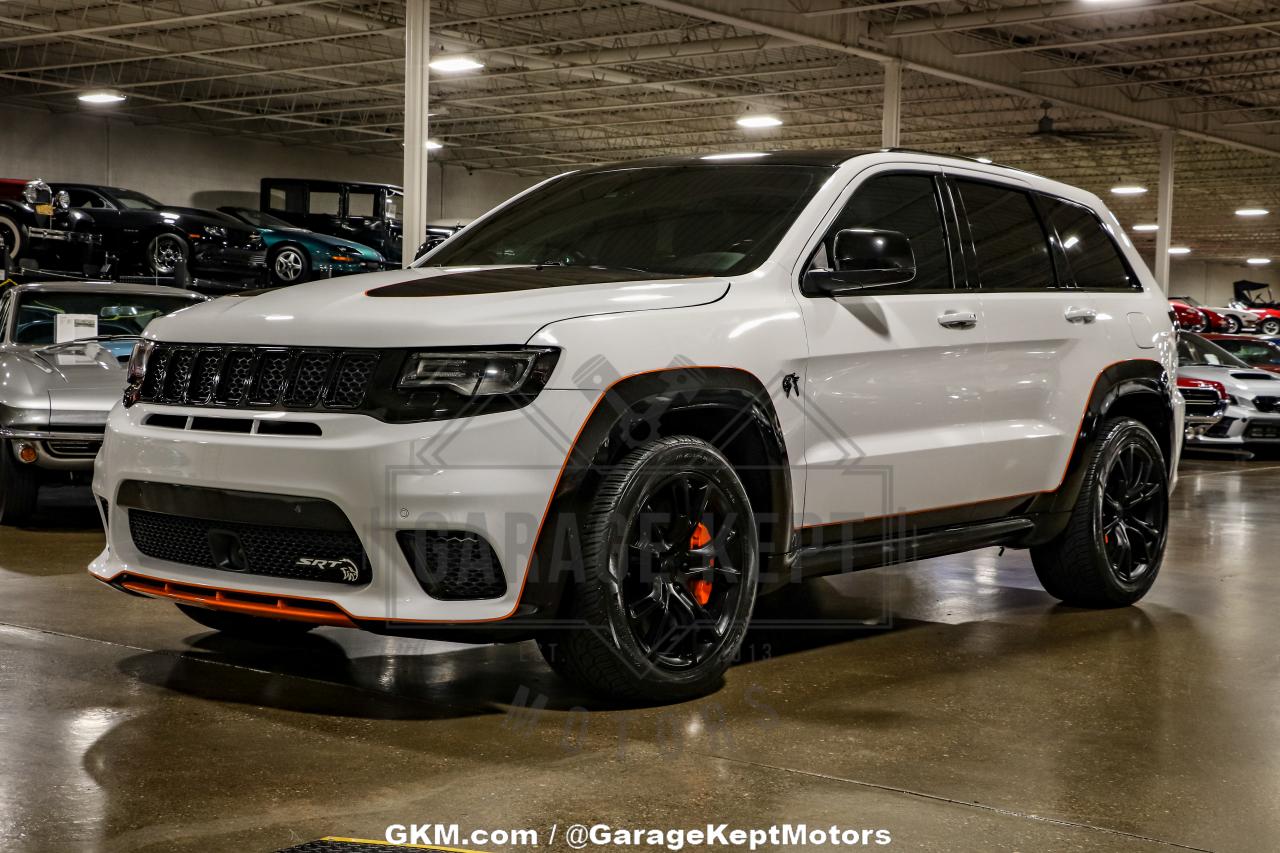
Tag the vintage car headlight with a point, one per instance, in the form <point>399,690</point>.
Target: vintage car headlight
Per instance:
<point>136,372</point>
<point>62,200</point>
<point>34,190</point>
<point>476,373</point>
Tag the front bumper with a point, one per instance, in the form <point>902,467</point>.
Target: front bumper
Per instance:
<point>491,475</point>
<point>56,450</point>
<point>1240,427</point>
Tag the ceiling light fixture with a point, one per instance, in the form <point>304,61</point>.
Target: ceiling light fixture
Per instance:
<point>1146,226</point>
<point>1252,211</point>
<point>1128,190</point>
<point>455,64</point>
<point>1258,262</point>
<point>101,96</point>
<point>757,121</point>
<point>735,155</point>
<point>1179,250</point>
<point>432,145</point>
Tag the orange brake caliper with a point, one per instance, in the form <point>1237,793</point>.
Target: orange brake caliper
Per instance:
<point>700,589</point>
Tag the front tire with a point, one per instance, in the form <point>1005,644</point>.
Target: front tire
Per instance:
<point>164,251</point>
<point>1269,326</point>
<point>289,265</point>
<point>1231,324</point>
<point>1113,545</point>
<point>671,562</point>
<point>259,629</point>
<point>11,233</point>
<point>19,488</point>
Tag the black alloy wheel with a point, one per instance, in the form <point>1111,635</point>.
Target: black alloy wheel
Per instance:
<point>676,570</point>
<point>1111,549</point>
<point>1133,512</point>
<point>670,568</point>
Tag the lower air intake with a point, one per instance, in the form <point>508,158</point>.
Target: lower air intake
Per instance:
<point>453,565</point>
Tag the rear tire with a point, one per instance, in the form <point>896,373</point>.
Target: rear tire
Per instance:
<point>256,628</point>
<point>19,488</point>
<point>1232,324</point>
<point>671,562</point>
<point>1113,545</point>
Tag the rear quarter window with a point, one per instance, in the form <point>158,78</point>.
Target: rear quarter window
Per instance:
<point>1093,258</point>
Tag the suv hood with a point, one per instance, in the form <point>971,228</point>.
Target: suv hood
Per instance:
<point>431,307</point>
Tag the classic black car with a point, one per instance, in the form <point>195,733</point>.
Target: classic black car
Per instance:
<point>149,237</point>
<point>40,232</point>
<point>369,214</point>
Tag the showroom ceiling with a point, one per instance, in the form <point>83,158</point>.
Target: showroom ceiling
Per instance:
<point>569,82</point>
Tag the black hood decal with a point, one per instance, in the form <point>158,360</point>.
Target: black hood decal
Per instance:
<point>510,279</point>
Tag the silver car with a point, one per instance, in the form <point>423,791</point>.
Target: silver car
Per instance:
<point>1253,402</point>
<point>63,351</point>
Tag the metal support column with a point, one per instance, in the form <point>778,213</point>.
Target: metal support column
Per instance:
<point>1164,210</point>
<point>417,53</point>
<point>892,117</point>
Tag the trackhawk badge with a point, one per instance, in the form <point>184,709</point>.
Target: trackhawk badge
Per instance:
<point>350,573</point>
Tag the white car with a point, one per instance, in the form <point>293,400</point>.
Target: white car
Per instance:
<point>1252,417</point>
<point>609,412</point>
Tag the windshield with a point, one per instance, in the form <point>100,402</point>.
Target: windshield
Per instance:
<point>49,318</point>
<point>677,220</point>
<point>136,201</point>
<point>1253,352</point>
<point>259,219</point>
<point>1195,351</point>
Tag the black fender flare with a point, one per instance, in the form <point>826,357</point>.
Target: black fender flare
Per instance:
<point>630,412</point>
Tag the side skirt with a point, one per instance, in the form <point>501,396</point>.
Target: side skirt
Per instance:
<point>874,552</point>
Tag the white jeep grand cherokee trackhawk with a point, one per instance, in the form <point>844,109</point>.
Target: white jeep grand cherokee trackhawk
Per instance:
<point>612,411</point>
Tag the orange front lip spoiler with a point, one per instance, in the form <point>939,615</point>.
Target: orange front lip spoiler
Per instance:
<point>249,603</point>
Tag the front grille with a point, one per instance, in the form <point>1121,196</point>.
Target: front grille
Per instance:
<point>453,565</point>
<point>1263,430</point>
<point>1267,404</point>
<point>258,377</point>
<point>66,448</point>
<point>281,552</point>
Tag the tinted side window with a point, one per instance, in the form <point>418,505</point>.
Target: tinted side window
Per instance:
<point>84,198</point>
<point>908,204</point>
<point>1009,242</point>
<point>324,203</point>
<point>360,203</point>
<point>1095,261</point>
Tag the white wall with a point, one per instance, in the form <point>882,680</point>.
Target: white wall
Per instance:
<point>200,170</point>
<point>1210,283</point>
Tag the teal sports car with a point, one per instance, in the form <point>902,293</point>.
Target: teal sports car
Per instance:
<point>295,255</point>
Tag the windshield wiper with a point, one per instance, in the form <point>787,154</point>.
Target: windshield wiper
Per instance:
<point>93,340</point>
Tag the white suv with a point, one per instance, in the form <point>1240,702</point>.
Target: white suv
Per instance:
<point>614,409</point>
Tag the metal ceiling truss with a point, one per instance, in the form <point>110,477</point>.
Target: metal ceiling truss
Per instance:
<point>574,82</point>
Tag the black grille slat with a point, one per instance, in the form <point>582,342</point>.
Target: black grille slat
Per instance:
<point>268,382</point>
<point>453,565</point>
<point>352,380</point>
<point>268,550</point>
<point>237,376</point>
<point>1267,404</point>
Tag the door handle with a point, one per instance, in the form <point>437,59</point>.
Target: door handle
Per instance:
<point>958,319</point>
<point>1080,315</point>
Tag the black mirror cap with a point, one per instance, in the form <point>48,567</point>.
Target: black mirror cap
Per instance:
<point>864,257</point>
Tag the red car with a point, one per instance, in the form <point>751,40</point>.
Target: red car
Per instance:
<point>1188,318</point>
<point>1268,320</point>
<point>1255,352</point>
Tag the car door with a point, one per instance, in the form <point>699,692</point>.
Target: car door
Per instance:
<point>894,411</point>
<point>1047,340</point>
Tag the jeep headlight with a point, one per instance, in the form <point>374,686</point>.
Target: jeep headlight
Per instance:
<point>136,372</point>
<point>478,373</point>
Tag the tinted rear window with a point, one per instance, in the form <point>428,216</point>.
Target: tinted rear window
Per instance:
<point>1094,259</point>
<point>1009,242</point>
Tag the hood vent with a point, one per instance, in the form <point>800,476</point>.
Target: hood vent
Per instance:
<point>1252,376</point>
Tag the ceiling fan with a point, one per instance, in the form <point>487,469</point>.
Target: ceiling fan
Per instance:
<point>1046,131</point>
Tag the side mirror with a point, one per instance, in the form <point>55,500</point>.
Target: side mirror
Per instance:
<point>864,258</point>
